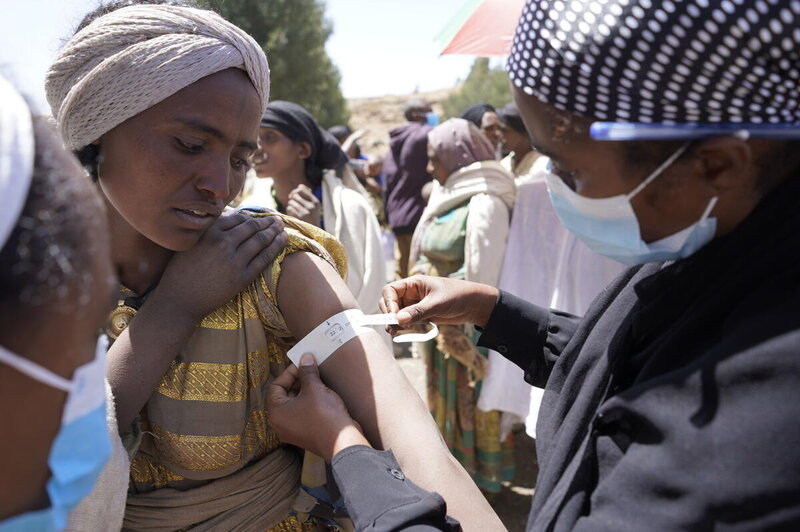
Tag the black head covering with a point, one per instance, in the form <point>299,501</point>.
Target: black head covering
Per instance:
<point>299,126</point>
<point>475,113</point>
<point>340,132</point>
<point>510,116</point>
<point>726,61</point>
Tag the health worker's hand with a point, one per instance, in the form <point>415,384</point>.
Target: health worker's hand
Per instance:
<point>306,413</point>
<point>439,300</point>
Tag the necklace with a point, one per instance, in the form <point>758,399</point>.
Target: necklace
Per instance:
<point>127,306</point>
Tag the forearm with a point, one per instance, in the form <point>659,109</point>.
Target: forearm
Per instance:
<point>394,417</point>
<point>376,392</point>
<point>143,353</point>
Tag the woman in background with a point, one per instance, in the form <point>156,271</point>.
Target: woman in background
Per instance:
<point>485,118</point>
<point>304,173</point>
<point>462,235</point>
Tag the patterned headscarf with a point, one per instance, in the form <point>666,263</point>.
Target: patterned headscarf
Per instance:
<point>728,61</point>
<point>133,58</point>
<point>458,143</point>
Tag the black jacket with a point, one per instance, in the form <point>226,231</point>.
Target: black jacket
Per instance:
<point>674,404</point>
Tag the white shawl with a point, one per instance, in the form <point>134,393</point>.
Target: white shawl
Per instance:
<point>547,265</point>
<point>490,190</point>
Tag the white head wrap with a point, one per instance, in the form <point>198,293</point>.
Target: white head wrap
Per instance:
<point>17,149</point>
<point>130,59</point>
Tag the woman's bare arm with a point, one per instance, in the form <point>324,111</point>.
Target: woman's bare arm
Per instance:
<point>377,394</point>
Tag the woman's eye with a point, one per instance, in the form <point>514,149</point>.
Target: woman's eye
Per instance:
<point>189,146</point>
<point>239,164</point>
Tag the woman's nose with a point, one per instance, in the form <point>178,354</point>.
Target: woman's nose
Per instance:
<point>215,180</point>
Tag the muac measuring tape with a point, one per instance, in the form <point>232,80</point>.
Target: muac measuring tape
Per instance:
<point>339,329</point>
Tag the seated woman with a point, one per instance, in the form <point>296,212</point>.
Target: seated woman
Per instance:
<point>462,235</point>
<point>55,288</point>
<point>163,104</point>
<point>304,173</point>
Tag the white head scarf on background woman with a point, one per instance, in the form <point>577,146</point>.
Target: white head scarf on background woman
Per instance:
<point>135,57</point>
<point>17,148</point>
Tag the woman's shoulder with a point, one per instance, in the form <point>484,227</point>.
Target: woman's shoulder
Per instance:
<point>306,237</point>
<point>259,301</point>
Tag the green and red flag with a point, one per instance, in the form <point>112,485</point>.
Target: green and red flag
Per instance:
<point>482,28</point>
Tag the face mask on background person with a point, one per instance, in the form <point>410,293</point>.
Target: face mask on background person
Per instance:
<point>609,225</point>
<point>82,446</point>
<point>432,119</point>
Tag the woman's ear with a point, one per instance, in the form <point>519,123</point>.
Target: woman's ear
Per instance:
<point>304,150</point>
<point>726,162</point>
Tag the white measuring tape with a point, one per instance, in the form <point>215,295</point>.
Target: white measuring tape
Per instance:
<point>339,329</point>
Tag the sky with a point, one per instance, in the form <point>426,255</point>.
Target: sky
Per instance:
<point>387,46</point>
<point>380,46</point>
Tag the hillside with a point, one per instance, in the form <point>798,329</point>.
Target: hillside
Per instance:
<point>379,115</point>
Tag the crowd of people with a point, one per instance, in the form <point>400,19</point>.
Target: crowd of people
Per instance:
<point>610,260</point>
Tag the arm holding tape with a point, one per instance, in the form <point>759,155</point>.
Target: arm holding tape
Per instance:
<point>377,394</point>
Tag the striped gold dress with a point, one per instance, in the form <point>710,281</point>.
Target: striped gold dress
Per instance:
<point>207,457</point>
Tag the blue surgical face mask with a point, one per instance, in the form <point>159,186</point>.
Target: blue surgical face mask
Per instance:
<point>432,119</point>
<point>82,446</point>
<point>609,225</point>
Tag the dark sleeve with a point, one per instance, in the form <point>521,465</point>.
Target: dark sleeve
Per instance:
<point>379,497</point>
<point>530,336</point>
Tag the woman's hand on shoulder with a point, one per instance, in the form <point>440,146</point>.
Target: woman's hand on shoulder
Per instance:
<point>226,259</point>
<point>437,299</point>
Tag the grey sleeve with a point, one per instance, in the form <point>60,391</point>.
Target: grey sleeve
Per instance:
<point>379,497</point>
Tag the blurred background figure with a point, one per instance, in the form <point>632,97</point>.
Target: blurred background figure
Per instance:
<point>375,168</point>
<point>352,147</point>
<point>340,132</point>
<point>373,182</point>
<point>520,155</point>
<point>484,116</point>
<point>348,140</point>
<point>405,170</point>
<point>462,235</point>
<point>303,172</point>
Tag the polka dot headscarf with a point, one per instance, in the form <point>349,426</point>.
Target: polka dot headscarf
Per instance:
<point>726,61</point>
